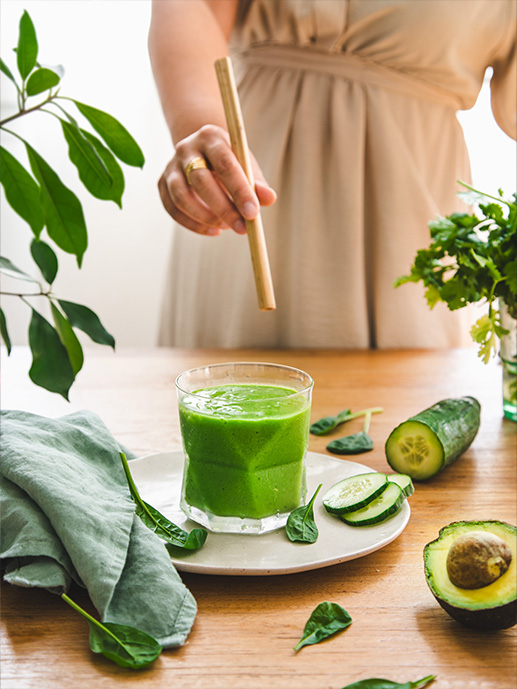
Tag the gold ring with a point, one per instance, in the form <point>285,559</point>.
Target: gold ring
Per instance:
<point>195,164</point>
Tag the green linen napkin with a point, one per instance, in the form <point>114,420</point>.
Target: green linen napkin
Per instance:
<point>67,515</point>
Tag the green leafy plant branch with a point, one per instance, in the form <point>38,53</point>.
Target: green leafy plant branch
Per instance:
<point>40,197</point>
<point>473,259</point>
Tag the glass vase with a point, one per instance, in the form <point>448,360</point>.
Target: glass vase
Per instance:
<point>508,354</point>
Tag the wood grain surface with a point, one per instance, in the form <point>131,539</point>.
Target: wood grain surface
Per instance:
<point>246,627</point>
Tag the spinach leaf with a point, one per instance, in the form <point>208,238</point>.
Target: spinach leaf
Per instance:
<point>326,620</point>
<point>328,423</point>
<point>126,646</point>
<point>375,683</point>
<point>356,443</point>
<point>159,524</point>
<point>351,444</point>
<point>301,525</point>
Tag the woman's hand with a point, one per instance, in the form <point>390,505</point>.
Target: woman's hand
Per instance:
<point>218,197</point>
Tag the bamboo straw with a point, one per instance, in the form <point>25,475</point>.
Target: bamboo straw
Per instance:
<point>257,242</point>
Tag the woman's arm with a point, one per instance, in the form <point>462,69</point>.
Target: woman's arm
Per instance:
<point>186,37</point>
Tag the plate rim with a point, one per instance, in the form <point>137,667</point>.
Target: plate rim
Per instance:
<point>183,564</point>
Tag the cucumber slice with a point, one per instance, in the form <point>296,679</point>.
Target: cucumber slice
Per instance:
<point>384,506</point>
<point>404,482</point>
<point>426,443</point>
<point>354,492</point>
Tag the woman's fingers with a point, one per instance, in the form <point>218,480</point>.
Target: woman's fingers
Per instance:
<point>229,172</point>
<point>201,220</point>
<point>226,191</point>
<point>214,197</point>
<point>265,194</point>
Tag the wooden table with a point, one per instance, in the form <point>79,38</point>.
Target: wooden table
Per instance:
<point>246,627</point>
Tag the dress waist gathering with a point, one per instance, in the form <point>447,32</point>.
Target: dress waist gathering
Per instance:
<point>348,66</point>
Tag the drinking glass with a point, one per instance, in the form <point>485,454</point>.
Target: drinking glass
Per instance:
<point>245,432</point>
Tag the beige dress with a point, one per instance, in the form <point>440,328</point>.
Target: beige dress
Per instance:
<point>350,108</point>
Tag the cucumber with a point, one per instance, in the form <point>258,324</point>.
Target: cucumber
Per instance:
<point>425,444</point>
<point>354,492</point>
<point>384,506</point>
<point>404,482</point>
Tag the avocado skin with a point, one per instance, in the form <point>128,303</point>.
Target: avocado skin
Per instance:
<point>489,619</point>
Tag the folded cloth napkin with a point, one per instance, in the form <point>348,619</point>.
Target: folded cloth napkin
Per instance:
<point>67,515</point>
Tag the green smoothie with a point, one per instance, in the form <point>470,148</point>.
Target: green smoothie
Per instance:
<point>245,447</point>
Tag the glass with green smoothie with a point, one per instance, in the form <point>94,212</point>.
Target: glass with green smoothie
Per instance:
<point>245,431</point>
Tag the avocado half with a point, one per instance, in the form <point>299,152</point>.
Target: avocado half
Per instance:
<point>487,608</point>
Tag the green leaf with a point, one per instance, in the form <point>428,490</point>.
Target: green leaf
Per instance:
<point>51,368</point>
<point>510,274</point>
<point>326,620</point>
<point>21,191</point>
<point>193,540</point>
<point>126,646</point>
<point>45,259</point>
<point>377,683</point>
<point>86,320</point>
<point>167,530</point>
<point>351,444</point>
<point>69,339</point>
<point>328,423</point>
<point>57,69</point>
<point>483,332</point>
<point>432,296</point>
<point>301,526</point>
<point>486,263</point>
<point>158,523</point>
<point>83,155</point>
<point>62,209</point>
<point>8,268</point>
<point>91,159</point>
<point>41,80</point>
<point>4,332</point>
<point>27,49</point>
<point>5,69</point>
<point>114,193</point>
<point>115,135</point>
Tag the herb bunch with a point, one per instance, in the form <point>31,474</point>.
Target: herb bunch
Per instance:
<point>473,259</point>
<point>39,196</point>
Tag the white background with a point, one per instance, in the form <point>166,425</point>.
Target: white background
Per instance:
<point>103,46</point>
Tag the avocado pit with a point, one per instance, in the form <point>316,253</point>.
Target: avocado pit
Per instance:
<point>477,559</point>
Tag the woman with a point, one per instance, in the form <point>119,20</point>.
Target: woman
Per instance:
<point>350,109</point>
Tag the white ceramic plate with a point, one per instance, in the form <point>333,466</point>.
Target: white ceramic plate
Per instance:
<point>158,479</point>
